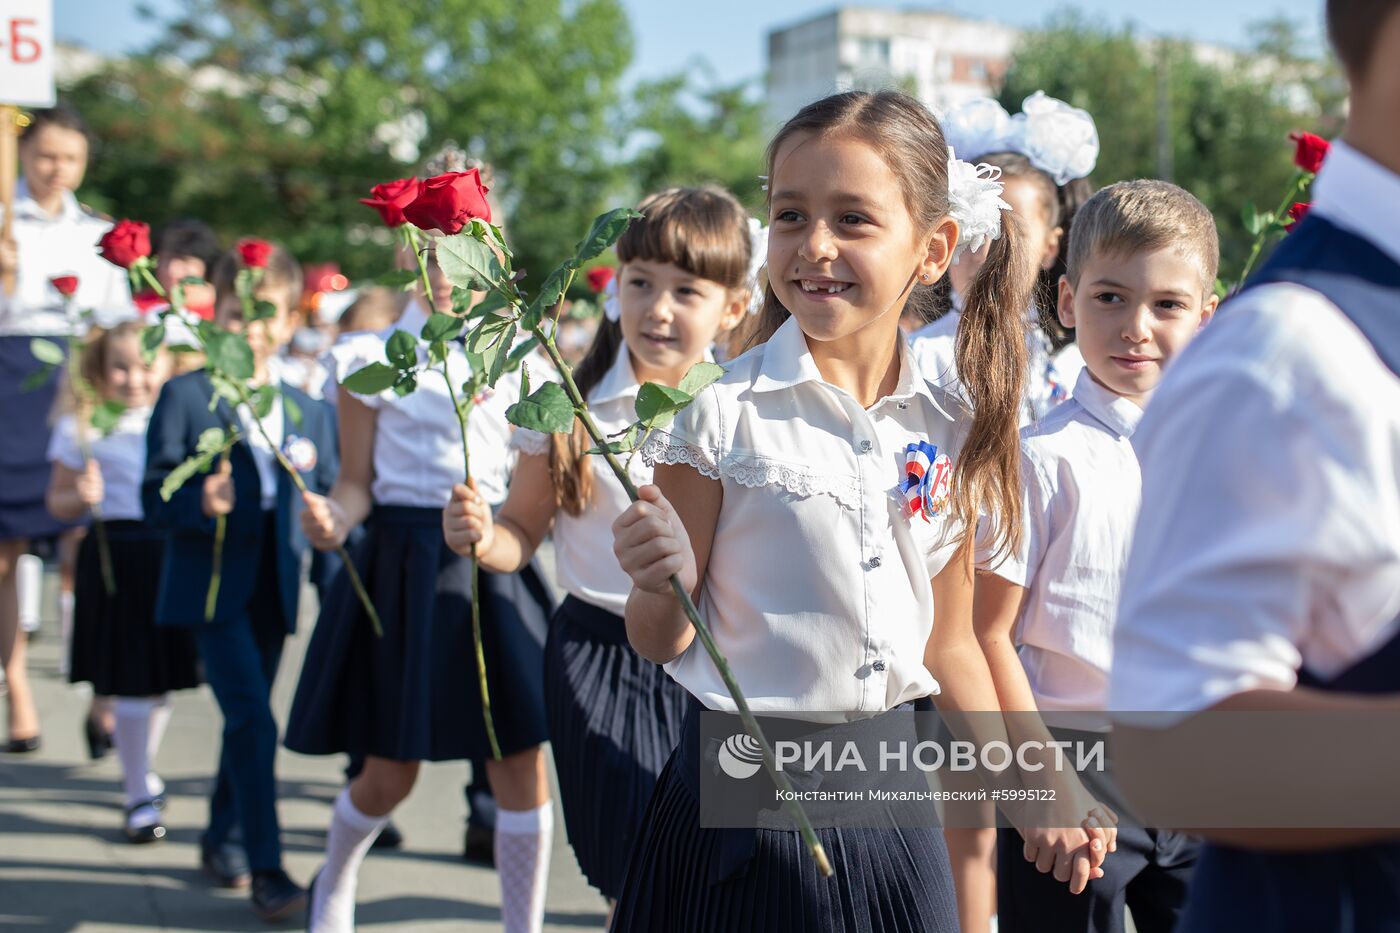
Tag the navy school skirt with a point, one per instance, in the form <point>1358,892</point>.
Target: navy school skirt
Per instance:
<point>614,719</point>
<point>24,456</point>
<point>117,646</point>
<point>686,878</point>
<point>413,694</point>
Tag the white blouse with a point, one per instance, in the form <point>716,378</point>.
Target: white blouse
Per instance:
<point>417,443</point>
<point>1273,445</point>
<point>62,244</point>
<point>817,588</point>
<point>121,455</point>
<point>1080,491</point>
<point>584,561</point>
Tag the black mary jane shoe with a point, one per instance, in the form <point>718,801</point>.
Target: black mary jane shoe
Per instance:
<point>23,746</point>
<point>140,835</point>
<point>99,740</point>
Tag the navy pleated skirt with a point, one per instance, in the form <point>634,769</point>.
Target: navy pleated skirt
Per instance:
<point>117,646</point>
<point>614,719</point>
<point>686,879</point>
<point>413,694</point>
<point>24,456</point>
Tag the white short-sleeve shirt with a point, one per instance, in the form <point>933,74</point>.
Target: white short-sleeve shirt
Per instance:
<point>1269,537</point>
<point>583,556</point>
<point>53,245</point>
<point>1081,486</point>
<point>417,443</point>
<point>120,454</point>
<point>817,588</point>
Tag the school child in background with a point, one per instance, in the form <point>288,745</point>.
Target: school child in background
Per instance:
<point>261,574</point>
<point>1267,577</point>
<point>614,716</point>
<point>1044,154</point>
<point>411,694</point>
<point>1140,284</point>
<point>184,249</point>
<point>799,451</point>
<point>116,645</point>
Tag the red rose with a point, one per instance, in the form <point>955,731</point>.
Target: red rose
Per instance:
<point>1312,150</point>
<point>448,202</point>
<point>66,284</point>
<point>391,197</point>
<point>125,243</point>
<point>255,253</point>
<point>600,276</point>
<point>1298,211</point>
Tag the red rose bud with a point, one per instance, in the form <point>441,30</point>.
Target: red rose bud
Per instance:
<point>449,202</point>
<point>66,284</point>
<point>254,253</point>
<point>1311,152</point>
<point>124,244</point>
<point>1298,211</point>
<point>599,277</point>
<point>391,197</point>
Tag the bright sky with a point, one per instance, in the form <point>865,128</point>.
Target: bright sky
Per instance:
<point>732,34</point>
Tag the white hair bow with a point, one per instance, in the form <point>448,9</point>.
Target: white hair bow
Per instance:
<point>974,201</point>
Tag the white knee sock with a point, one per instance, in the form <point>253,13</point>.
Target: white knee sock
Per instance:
<point>523,841</point>
<point>160,719</point>
<point>65,629</point>
<point>29,590</point>
<point>350,836</point>
<point>133,731</point>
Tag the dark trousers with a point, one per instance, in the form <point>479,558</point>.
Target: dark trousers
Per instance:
<point>240,664</point>
<point>1148,875</point>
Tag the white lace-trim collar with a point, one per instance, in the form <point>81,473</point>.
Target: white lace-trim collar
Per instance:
<point>752,472</point>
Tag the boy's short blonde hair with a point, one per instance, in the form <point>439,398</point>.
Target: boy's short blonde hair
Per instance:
<point>1144,215</point>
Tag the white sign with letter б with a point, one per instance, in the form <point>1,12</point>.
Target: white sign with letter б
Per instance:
<point>26,53</point>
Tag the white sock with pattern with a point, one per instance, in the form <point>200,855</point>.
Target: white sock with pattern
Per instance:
<point>348,840</point>
<point>523,843</point>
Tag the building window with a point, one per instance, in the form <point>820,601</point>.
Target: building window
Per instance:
<point>874,51</point>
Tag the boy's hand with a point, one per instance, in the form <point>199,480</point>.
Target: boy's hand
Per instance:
<point>218,491</point>
<point>651,544</point>
<point>467,520</point>
<point>323,521</point>
<point>89,485</point>
<point>1074,855</point>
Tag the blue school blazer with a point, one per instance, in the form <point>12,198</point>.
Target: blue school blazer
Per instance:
<point>180,416</point>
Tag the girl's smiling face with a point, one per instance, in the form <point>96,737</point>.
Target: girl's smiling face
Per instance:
<point>844,251</point>
<point>126,377</point>
<point>670,317</point>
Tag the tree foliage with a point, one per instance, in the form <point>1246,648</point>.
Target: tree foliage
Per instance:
<point>1215,123</point>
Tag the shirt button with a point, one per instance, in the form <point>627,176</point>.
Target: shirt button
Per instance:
<point>903,406</point>
<point>865,446</point>
<point>878,666</point>
<point>874,562</point>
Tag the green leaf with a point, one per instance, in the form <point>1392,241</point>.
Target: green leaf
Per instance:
<point>625,445</point>
<point>292,409</point>
<point>46,351</point>
<point>211,443</point>
<point>106,416</point>
<point>397,278</point>
<point>524,380</point>
<point>151,340</point>
<point>548,411</point>
<point>264,397</point>
<point>229,354</point>
<point>501,351</point>
<point>605,232</point>
<point>488,333</point>
<point>402,349</point>
<point>407,384</point>
<point>372,379</point>
<point>657,404</point>
<point>37,378</point>
<point>699,376</point>
<point>468,262</point>
<point>492,303</point>
<point>442,327</point>
<point>522,349</point>
<point>550,293</point>
<point>437,353</point>
<point>263,310</point>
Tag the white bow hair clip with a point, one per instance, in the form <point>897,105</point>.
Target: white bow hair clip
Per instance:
<point>612,308</point>
<point>1060,140</point>
<point>974,201</point>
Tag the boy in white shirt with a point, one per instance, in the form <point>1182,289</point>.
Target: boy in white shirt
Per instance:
<point>1141,266</point>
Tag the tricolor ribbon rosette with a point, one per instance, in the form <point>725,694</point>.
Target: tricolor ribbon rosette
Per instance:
<point>928,477</point>
<point>300,452</point>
